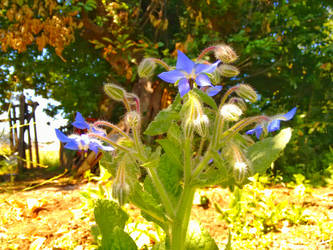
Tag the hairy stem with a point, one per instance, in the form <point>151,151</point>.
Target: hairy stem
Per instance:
<point>110,125</point>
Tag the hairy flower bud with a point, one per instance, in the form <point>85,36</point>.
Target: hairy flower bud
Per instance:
<point>228,70</point>
<point>195,119</point>
<point>215,78</point>
<point>133,119</point>
<point>231,112</point>
<point>115,92</point>
<point>201,125</point>
<point>120,188</point>
<point>240,163</point>
<point>239,102</point>
<point>247,92</point>
<point>225,53</point>
<point>146,68</point>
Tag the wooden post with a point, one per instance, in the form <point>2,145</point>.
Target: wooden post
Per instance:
<point>29,147</point>
<point>21,145</point>
<point>11,129</point>
<point>35,104</point>
<point>15,128</point>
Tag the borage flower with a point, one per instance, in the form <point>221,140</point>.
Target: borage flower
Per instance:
<point>81,142</point>
<point>187,73</point>
<point>273,124</point>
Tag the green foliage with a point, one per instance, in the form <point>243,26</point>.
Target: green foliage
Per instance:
<point>111,220</point>
<point>259,210</point>
<point>164,119</point>
<point>263,153</point>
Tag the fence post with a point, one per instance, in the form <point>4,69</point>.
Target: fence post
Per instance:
<point>21,144</point>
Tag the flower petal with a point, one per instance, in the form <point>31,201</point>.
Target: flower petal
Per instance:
<point>202,80</point>
<point>206,68</point>
<point>171,76</point>
<point>94,146</point>
<point>213,90</point>
<point>61,136</point>
<point>257,130</point>
<point>183,87</point>
<point>72,145</point>
<point>289,115</point>
<point>273,125</point>
<point>184,63</point>
<point>79,122</point>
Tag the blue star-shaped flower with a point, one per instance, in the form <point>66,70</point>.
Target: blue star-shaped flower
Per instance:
<point>187,72</point>
<point>274,124</point>
<point>80,122</point>
<point>81,142</point>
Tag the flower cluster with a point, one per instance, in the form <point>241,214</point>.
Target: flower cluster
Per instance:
<point>83,142</point>
<point>188,74</point>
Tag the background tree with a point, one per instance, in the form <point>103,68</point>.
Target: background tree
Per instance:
<point>66,50</point>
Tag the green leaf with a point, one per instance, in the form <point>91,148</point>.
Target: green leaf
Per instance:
<point>109,215</point>
<point>164,119</point>
<point>111,219</point>
<point>161,123</point>
<point>172,150</point>
<point>264,152</point>
<point>198,238</point>
<point>206,98</point>
<point>175,134</point>
<point>146,201</point>
<point>119,241</point>
<point>170,175</point>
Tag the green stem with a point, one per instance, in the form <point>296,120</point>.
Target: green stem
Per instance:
<point>205,51</point>
<point>242,124</point>
<point>162,63</point>
<point>202,143</point>
<point>203,163</point>
<point>180,224</point>
<point>187,160</point>
<point>110,125</point>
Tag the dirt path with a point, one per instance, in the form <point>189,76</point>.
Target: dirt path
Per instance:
<point>50,217</point>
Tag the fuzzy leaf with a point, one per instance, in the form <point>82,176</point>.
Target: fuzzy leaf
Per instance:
<point>198,238</point>
<point>119,240</point>
<point>164,119</point>
<point>111,219</point>
<point>170,175</point>
<point>109,215</point>
<point>264,152</point>
<point>172,150</point>
<point>147,202</point>
<point>175,134</point>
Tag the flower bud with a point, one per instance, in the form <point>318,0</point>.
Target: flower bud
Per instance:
<point>215,78</point>
<point>115,92</point>
<point>240,163</point>
<point>201,125</point>
<point>195,119</point>
<point>239,102</point>
<point>228,70</point>
<point>231,112</point>
<point>120,188</point>
<point>133,119</point>
<point>225,53</point>
<point>247,92</point>
<point>146,68</point>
